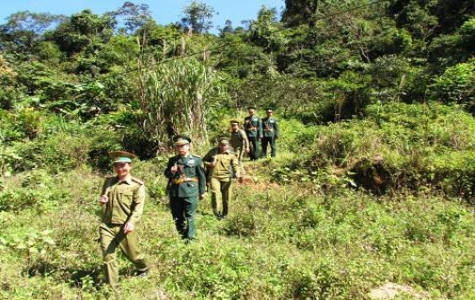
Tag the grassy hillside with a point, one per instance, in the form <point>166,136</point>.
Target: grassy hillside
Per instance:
<point>280,242</point>
<point>344,210</point>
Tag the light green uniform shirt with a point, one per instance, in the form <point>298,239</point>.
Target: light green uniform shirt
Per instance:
<point>126,200</point>
<point>226,163</point>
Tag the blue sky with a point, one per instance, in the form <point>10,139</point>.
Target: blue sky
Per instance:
<point>164,11</point>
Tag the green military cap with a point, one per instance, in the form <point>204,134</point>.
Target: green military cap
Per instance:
<point>251,107</point>
<point>223,140</point>
<point>234,122</point>
<point>121,156</point>
<point>181,139</point>
<point>269,110</point>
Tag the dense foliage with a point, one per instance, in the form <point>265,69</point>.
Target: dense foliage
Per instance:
<point>374,177</point>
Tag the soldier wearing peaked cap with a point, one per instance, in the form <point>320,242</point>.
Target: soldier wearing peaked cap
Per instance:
<point>222,165</point>
<point>187,183</point>
<point>122,200</point>
<point>271,133</point>
<point>253,128</point>
<point>238,141</point>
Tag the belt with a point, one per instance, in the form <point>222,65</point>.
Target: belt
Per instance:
<point>186,179</point>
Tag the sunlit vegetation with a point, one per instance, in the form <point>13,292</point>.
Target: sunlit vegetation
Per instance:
<point>372,187</point>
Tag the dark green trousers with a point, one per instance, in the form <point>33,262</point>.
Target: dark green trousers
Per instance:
<point>254,151</point>
<point>112,237</point>
<point>184,214</point>
<point>273,148</point>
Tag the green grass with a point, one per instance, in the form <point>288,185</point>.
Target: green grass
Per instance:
<point>280,242</point>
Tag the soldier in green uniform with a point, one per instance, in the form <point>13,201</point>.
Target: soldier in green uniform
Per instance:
<point>238,141</point>
<point>253,128</point>
<point>270,134</point>
<point>187,183</point>
<point>222,166</point>
<point>122,200</point>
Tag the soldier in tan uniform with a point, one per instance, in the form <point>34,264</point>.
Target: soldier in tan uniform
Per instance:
<point>238,141</point>
<point>122,200</point>
<point>222,166</point>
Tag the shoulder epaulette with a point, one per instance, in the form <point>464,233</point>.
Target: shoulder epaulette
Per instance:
<point>197,156</point>
<point>137,181</point>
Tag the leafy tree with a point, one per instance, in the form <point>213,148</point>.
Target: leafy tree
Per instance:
<point>451,14</point>
<point>240,59</point>
<point>83,29</point>
<point>228,28</point>
<point>197,17</point>
<point>345,35</point>
<point>9,90</point>
<point>450,49</point>
<point>266,32</point>
<point>153,35</point>
<point>300,12</point>
<point>456,85</point>
<point>416,17</point>
<point>24,30</point>
<point>350,94</point>
<point>132,16</point>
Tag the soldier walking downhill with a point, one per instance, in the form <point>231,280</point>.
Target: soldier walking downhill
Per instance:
<point>253,128</point>
<point>187,183</point>
<point>270,134</point>
<point>122,200</point>
<point>222,166</point>
<point>239,142</point>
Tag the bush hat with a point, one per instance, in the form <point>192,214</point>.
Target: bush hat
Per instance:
<point>121,156</point>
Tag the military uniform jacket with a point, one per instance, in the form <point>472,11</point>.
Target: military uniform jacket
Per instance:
<point>270,127</point>
<point>227,164</point>
<point>126,200</point>
<point>239,139</point>
<point>189,180</point>
<point>253,126</point>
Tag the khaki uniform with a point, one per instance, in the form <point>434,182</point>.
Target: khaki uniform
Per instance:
<point>238,140</point>
<point>220,178</point>
<point>126,203</point>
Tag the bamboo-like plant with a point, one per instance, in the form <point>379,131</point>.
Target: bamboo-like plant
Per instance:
<point>176,93</point>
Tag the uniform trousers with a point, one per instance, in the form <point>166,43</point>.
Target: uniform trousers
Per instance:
<point>221,191</point>
<point>113,236</point>
<point>271,142</point>
<point>254,151</point>
<point>239,151</point>
<point>184,214</point>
